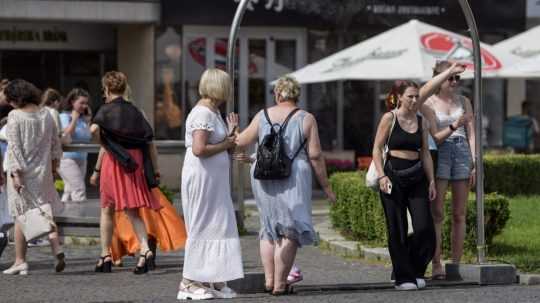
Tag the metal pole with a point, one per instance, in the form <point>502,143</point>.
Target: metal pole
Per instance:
<point>340,117</point>
<point>231,56</point>
<point>481,242</point>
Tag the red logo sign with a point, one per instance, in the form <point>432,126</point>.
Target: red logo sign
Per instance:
<point>197,49</point>
<point>447,47</point>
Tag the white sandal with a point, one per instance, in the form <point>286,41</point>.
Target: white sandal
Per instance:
<point>225,292</point>
<point>194,291</point>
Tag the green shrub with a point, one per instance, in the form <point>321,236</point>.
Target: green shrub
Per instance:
<point>497,213</point>
<point>59,185</point>
<point>358,213</point>
<point>512,174</point>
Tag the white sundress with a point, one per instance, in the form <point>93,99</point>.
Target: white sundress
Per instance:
<point>33,143</point>
<point>212,252</point>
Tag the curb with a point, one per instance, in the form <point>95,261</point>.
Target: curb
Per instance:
<point>333,241</point>
<point>529,279</point>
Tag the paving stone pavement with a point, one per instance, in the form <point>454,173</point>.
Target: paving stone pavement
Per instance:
<point>79,284</point>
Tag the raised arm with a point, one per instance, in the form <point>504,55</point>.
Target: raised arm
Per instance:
<point>249,135</point>
<point>433,85</point>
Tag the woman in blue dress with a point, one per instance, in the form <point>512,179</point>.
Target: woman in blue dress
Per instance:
<point>285,204</point>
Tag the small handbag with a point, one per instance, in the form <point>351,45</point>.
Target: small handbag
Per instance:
<point>372,178</point>
<point>36,222</point>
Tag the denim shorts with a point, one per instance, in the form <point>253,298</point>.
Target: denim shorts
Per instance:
<point>454,159</point>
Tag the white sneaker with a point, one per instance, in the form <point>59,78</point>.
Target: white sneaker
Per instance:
<point>406,286</point>
<point>421,283</point>
<point>194,291</point>
<point>20,269</point>
<point>224,293</point>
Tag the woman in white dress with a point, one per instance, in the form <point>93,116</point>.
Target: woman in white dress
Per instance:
<point>33,153</point>
<point>212,253</point>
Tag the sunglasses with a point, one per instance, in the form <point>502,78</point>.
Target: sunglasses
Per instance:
<point>454,78</point>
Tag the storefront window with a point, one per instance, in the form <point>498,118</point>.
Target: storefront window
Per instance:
<point>169,108</point>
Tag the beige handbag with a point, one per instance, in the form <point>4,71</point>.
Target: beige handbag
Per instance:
<point>36,222</point>
<point>372,177</point>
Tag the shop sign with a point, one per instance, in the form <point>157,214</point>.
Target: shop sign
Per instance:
<point>533,8</point>
<point>43,36</point>
<point>15,35</point>
<point>276,5</point>
<point>406,10</point>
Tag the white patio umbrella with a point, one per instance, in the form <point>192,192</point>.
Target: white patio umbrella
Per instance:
<point>525,47</point>
<point>408,51</point>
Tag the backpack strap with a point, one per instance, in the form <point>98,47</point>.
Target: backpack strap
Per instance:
<point>300,149</point>
<point>286,122</point>
<point>267,116</point>
<point>394,117</point>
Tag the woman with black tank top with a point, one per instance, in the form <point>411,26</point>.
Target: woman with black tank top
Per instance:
<point>406,179</point>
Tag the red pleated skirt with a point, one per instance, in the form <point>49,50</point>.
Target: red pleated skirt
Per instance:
<point>125,190</point>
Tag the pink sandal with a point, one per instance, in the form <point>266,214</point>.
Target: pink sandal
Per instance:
<point>295,276</point>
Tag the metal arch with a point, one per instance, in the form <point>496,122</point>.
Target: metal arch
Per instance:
<point>478,108</point>
<point>231,56</point>
<point>478,105</point>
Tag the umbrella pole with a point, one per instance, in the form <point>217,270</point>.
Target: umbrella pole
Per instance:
<point>231,56</point>
<point>480,233</point>
<point>340,115</point>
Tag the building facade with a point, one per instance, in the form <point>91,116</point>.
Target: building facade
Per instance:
<point>164,46</point>
<point>279,36</point>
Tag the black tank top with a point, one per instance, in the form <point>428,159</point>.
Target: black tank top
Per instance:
<point>402,140</point>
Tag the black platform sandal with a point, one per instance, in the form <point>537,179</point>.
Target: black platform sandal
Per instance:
<point>60,264</point>
<point>150,260</point>
<point>105,266</point>
<point>148,264</point>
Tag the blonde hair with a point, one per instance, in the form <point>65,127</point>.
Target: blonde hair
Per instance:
<point>215,84</point>
<point>115,82</point>
<point>288,88</point>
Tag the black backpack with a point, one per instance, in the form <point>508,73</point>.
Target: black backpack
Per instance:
<point>273,163</point>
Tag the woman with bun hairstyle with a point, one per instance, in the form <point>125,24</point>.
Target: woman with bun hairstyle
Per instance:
<point>128,169</point>
<point>406,179</point>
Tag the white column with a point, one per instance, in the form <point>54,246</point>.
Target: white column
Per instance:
<point>136,60</point>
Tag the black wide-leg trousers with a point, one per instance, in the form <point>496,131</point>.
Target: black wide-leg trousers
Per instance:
<point>410,254</point>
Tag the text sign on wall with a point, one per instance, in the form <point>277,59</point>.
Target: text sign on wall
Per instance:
<point>57,36</point>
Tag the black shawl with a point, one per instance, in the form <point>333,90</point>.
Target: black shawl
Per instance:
<point>123,126</point>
